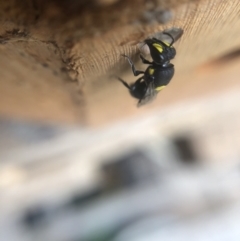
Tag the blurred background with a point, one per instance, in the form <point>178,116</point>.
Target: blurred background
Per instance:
<point>79,161</point>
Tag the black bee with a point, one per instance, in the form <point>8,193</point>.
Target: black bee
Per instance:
<point>158,74</point>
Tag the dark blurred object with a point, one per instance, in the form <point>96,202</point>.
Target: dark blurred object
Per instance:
<point>129,170</point>
<point>157,15</point>
<point>79,199</point>
<point>185,149</point>
<point>34,217</point>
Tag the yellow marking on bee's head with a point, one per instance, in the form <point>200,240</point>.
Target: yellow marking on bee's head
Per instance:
<point>167,43</point>
<point>160,87</point>
<point>158,47</point>
<point>151,71</point>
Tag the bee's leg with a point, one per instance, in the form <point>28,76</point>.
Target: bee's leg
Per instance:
<point>139,103</point>
<point>135,72</point>
<point>144,60</point>
<point>123,82</point>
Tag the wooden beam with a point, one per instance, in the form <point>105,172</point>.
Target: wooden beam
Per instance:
<point>55,56</point>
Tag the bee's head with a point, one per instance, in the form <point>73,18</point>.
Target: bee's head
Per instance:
<point>161,52</point>
<point>137,89</point>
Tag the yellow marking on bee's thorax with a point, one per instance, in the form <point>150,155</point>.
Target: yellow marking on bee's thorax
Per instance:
<point>160,88</point>
<point>151,71</point>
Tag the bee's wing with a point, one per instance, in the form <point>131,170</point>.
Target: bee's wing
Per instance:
<point>149,96</point>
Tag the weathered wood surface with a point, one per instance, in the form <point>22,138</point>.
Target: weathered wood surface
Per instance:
<point>55,55</point>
